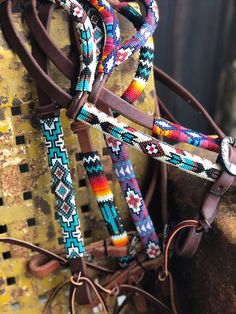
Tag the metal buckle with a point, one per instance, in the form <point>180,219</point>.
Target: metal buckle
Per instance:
<point>224,151</point>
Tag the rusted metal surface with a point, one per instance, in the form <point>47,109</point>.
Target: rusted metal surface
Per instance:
<point>27,205</point>
<point>206,282</point>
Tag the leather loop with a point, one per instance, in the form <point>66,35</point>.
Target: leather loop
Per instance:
<point>49,110</point>
<point>187,244</point>
<point>77,103</point>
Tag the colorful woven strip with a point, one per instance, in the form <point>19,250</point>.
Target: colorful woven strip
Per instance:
<point>145,64</point>
<point>63,187</point>
<point>145,32</point>
<point>120,158</point>
<point>104,195</point>
<point>88,47</point>
<point>156,149</point>
<point>133,196</point>
<point>146,56</point>
<point>112,40</point>
<point>177,132</point>
<point>98,27</point>
<point>95,172</point>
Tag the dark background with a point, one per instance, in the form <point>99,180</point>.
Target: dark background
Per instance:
<point>194,42</point>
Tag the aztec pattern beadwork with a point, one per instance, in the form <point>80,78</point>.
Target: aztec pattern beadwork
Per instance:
<point>112,39</point>
<point>142,74</point>
<point>146,57</point>
<point>63,187</point>
<point>156,149</point>
<point>98,27</point>
<point>140,38</point>
<point>88,47</point>
<point>177,132</point>
<point>133,196</point>
<point>104,196</point>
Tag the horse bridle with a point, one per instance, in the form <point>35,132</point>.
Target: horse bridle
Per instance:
<point>223,182</point>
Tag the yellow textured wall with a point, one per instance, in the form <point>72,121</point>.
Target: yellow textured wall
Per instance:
<point>27,206</point>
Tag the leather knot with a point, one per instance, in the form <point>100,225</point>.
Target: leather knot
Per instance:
<point>78,280</point>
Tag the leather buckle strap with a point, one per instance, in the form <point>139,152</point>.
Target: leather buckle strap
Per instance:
<point>187,244</point>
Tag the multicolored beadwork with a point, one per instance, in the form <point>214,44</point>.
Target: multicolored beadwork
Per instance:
<point>88,47</point>
<point>63,187</point>
<point>95,172</point>
<point>98,27</point>
<point>146,56</point>
<point>120,158</point>
<point>156,149</point>
<point>145,32</point>
<point>112,40</point>
<point>133,196</point>
<point>177,132</point>
<point>145,64</point>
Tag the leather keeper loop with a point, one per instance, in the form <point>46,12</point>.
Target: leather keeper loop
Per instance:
<point>97,88</point>
<point>78,126</point>
<point>50,110</point>
<point>76,104</point>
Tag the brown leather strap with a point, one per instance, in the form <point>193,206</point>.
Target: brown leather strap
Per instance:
<point>162,308</point>
<point>42,265</point>
<point>45,83</point>
<point>34,248</point>
<point>187,244</point>
<point>64,99</point>
<point>49,86</point>
<point>63,63</point>
<point>41,36</point>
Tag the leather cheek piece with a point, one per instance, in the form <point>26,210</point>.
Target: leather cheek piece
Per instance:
<point>83,295</point>
<point>187,243</point>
